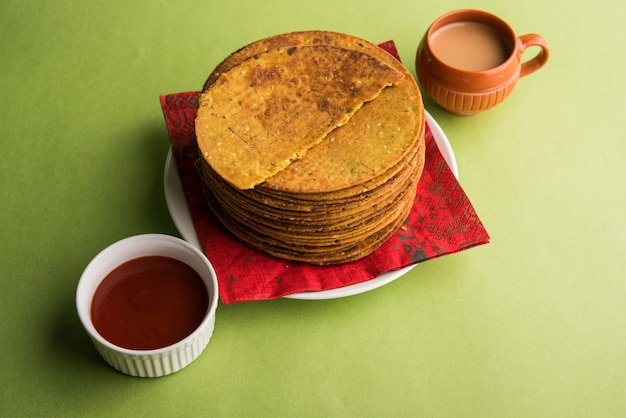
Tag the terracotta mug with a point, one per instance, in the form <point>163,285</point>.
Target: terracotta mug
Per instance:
<point>470,60</point>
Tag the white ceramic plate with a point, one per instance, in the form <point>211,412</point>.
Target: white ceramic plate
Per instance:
<point>179,211</point>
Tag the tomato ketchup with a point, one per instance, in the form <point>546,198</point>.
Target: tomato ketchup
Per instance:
<point>149,303</point>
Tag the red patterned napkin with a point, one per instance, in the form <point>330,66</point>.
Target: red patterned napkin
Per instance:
<point>442,221</point>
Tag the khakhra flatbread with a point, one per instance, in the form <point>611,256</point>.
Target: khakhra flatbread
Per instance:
<point>271,109</point>
<point>311,145</point>
<point>350,159</point>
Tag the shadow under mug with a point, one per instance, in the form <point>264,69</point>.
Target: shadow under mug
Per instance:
<point>463,91</point>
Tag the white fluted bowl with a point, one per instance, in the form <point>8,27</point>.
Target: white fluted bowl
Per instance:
<point>157,362</point>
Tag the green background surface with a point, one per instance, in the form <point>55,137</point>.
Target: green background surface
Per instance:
<point>531,325</point>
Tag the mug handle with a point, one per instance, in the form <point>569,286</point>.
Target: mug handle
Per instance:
<point>532,65</point>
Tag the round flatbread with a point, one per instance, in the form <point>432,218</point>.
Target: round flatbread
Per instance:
<point>302,170</point>
<point>270,109</point>
<point>361,149</point>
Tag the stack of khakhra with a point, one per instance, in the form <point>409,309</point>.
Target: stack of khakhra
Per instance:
<point>311,145</point>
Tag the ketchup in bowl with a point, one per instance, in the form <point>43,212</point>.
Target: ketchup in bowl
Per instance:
<point>149,302</point>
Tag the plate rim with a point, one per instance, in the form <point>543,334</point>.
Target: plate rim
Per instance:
<point>179,212</point>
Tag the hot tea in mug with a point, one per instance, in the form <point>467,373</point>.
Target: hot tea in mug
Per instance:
<point>472,46</point>
<point>470,60</point>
